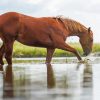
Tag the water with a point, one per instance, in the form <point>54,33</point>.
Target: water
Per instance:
<point>58,81</point>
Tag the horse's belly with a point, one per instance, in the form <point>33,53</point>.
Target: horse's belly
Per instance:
<point>38,42</point>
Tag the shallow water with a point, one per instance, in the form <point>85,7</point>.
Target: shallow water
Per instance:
<point>59,81</point>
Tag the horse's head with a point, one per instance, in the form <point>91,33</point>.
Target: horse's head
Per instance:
<point>86,40</point>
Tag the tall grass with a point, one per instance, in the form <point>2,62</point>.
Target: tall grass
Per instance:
<point>26,51</point>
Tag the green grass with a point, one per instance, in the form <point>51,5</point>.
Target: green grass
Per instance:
<point>26,51</point>
<point>96,47</point>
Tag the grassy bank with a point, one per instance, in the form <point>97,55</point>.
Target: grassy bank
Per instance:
<point>26,51</point>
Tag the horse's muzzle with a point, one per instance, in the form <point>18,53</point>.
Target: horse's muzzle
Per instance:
<point>87,52</point>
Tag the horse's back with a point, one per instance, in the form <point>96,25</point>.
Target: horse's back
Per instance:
<point>26,18</point>
<point>9,15</point>
<point>31,30</point>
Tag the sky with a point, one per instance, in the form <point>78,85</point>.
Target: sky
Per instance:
<point>86,12</point>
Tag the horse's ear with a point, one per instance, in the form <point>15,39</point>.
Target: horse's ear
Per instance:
<point>89,29</point>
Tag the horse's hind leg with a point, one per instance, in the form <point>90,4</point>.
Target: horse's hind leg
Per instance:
<point>8,52</point>
<point>50,52</point>
<point>2,50</point>
<point>66,47</point>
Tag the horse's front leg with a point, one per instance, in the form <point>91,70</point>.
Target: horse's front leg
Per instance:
<point>8,52</point>
<point>2,50</point>
<point>66,47</point>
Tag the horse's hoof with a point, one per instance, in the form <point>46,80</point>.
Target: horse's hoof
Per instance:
<point>81,61</point>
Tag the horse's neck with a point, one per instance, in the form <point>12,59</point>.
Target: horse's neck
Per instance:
<point>74,28</point>
<point>74,33</point>
<point>78,32</point>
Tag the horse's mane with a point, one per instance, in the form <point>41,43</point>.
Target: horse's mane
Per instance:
<point>71,24</point>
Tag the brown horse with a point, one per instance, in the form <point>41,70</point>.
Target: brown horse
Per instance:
<point>47,32</point>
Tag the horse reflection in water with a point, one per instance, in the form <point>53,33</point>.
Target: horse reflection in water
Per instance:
<point>8,87</point>
<point>87,85</point>
<point>72,82</point>
<point>76,81</point>
<point>50,77</point>
<point>7,76</point>
<point>87,75</point>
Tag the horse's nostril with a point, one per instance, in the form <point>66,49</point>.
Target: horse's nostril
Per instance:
<point>87,52</point>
